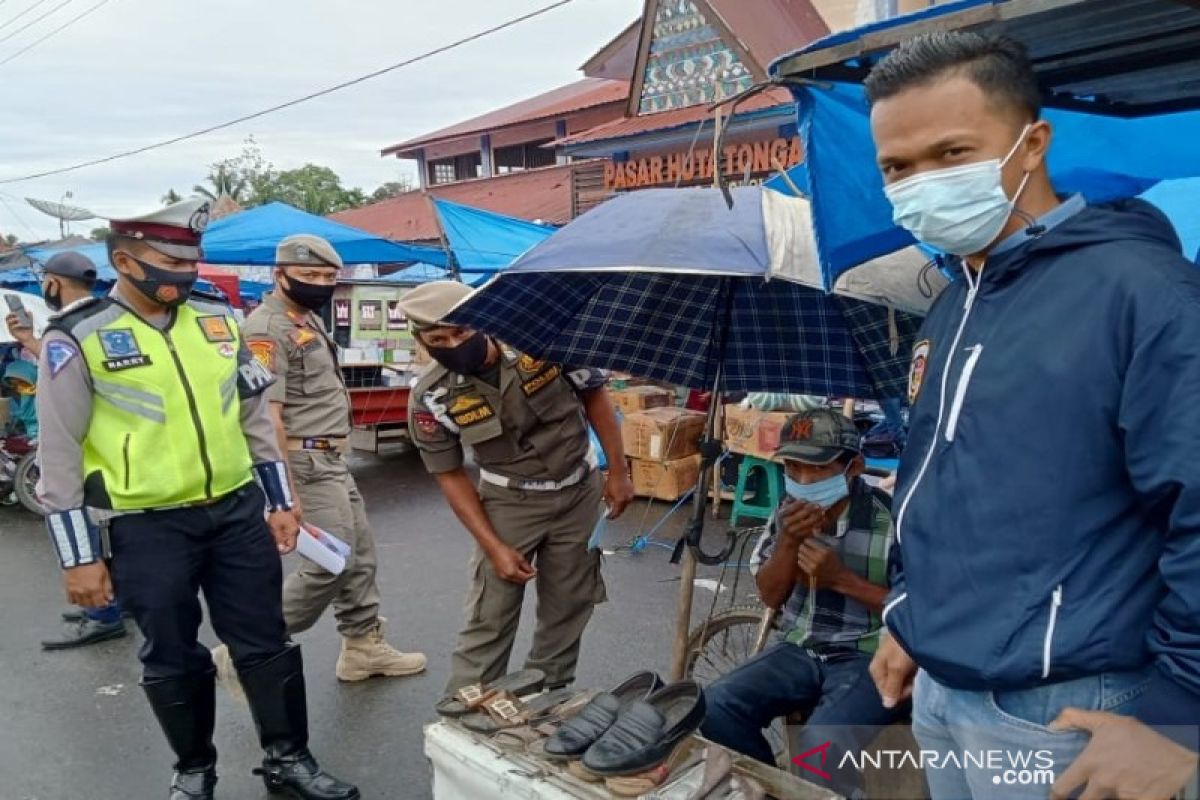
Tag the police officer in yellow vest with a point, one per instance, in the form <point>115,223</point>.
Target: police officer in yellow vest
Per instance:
<point>154,430</point>
<point>539,497</point>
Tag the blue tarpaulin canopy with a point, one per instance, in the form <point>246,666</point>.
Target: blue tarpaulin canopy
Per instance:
<point>484,242</point>
<point>250,237</point>
<point>1099,153</point>
<point>415,275</point>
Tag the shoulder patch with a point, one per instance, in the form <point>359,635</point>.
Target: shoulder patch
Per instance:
<point>263,351</point>
<point>58,355</point>
<point>916,370</point>
<point>428,428</point>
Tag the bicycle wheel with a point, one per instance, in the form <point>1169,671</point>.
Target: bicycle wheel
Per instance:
<point>25,483</point>
<point>724,642</point>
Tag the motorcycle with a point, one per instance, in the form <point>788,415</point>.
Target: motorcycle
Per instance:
<point>19,473</point>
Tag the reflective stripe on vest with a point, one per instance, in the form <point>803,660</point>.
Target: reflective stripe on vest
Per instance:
<point>166,425</point>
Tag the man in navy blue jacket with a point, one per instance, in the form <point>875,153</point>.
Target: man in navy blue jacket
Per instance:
<point>1048,509</point>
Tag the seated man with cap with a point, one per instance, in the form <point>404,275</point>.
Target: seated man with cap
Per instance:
<point>538,499</point>
<point>824,560</point>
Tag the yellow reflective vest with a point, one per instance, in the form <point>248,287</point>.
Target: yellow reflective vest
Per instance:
<point>165,427</point>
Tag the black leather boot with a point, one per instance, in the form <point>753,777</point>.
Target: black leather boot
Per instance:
<point>186,710</point>
<point>275,690</point>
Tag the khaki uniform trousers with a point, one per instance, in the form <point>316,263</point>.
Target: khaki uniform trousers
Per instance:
<point>331,501</point>
<point>551,530</point>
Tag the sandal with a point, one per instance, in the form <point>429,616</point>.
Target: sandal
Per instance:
<point>469,698</point>
<point>504,710</point>
<point>528,738</point>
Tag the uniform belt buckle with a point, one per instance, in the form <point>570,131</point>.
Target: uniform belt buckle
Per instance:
<point>317,444</point>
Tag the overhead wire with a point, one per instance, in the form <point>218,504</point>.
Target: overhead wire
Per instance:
<point>294,102</point>
<point>54,32</point>
<point>20,14</point>
<point>33,22</point>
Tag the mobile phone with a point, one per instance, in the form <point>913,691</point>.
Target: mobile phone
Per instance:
<point>17,307</point>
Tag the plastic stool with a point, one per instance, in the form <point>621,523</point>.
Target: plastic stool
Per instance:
<point>768,493</point>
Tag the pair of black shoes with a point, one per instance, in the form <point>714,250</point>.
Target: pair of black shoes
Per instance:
<point>186,709</point>
<point>632,728</point>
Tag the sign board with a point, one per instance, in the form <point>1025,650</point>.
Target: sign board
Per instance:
<point>687,168</point>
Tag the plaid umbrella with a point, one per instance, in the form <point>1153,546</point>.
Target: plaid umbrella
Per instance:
<point>671,285</point>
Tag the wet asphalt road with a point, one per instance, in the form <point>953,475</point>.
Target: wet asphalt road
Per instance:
<point>74,725</point>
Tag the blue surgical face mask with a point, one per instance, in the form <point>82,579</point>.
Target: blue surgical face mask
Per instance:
<point>960,210</point>
<point>825,493</point>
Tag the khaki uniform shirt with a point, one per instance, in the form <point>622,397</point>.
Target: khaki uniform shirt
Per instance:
<point>298,351</point>
<point>531,427</point>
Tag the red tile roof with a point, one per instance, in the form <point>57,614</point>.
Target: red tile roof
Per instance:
<point>666,120</point>
<point>577,96</point>
<point>543,194</point>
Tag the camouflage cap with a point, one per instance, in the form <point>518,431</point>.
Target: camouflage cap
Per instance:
<point>817,436</point>
<point>306,250</point>
<point>428,304</point>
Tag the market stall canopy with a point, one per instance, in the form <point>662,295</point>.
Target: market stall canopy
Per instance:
<point>251,237</point>
<point>484,242</point>
<point>1122,84</point>
<point>415,275</point>
<point>671,284</point>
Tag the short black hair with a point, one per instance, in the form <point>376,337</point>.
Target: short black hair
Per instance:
<point>998,65</point>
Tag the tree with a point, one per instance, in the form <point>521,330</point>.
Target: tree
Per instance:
<point>11,240</point>
<point>316,189</point>
<point>393,188</point>
<point>170,197</point>
<point>100,234</point>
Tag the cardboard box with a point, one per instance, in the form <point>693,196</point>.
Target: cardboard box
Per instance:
<point>752,432</point>
<point>664,480</point>
<point>662,434</point>
<point>641,398</point>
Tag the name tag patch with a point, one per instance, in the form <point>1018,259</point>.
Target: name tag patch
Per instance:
<point>465,417</point>
<point>541,381</point>
<point>118,364</point>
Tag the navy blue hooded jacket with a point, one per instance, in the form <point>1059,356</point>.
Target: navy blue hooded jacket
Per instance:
<point>1048,506</point>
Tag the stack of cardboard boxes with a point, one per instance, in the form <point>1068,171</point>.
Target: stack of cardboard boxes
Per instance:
<point>752,432</point>
<point>663,445</point>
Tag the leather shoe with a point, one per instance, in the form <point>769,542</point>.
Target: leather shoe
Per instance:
<point>582,730</point>
<point>194,784</point>
<point>647,732</point>
<point>81,634</point>
<point>300,776</point>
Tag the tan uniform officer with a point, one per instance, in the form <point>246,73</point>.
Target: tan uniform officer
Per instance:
<point>539,497</point>
<point>311,411</point>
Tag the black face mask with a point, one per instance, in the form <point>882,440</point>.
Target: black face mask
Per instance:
<point>164,286</point>
<point>466,359</point>
<point>312,296</point>
<point>53,298</point>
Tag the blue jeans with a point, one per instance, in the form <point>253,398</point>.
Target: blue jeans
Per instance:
<point>106,614</point>
<point>838,694</point>
<point>1003,746</point>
